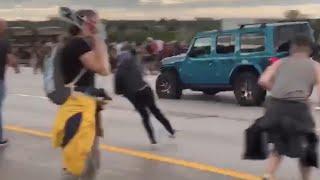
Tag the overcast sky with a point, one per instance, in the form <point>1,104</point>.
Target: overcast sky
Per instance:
<point>156,9</point>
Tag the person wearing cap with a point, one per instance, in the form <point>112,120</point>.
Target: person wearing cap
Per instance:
<point>80,54</point>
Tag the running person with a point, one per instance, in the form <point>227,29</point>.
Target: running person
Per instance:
<point>129,82</point>
<point>288,120</point>
<point>6,58</point>
<point>77,54</point>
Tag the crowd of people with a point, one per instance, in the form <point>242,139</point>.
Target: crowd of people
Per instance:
<point>78,57</point>
<point>287,121</point>
<point>150,53</point>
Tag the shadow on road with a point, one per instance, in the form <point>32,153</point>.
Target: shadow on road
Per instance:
<point>223,98</point>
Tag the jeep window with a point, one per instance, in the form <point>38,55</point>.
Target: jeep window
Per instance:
<point>283,35</point>
<point>225,44</point>
<point>201,47</point>
<point>252,42</point>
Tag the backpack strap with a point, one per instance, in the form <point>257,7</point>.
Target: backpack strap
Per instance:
<point>71,85</point>
<point>78,77</point>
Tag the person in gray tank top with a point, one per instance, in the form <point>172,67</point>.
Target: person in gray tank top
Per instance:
<point>294,79</point>
<point>288,120</point>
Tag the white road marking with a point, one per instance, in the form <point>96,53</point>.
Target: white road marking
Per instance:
<point>27,95</point>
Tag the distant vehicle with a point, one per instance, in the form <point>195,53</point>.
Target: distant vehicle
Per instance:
<point>229,60</point>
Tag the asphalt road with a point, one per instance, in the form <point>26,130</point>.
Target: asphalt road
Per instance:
<point>209,142</point>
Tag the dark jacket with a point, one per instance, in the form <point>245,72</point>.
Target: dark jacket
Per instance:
<point>256,142</point>
<point>257,138</point>
<point>287,117</point>
<point>128,77</point>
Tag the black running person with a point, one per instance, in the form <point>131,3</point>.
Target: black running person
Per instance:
<point>129,82</point>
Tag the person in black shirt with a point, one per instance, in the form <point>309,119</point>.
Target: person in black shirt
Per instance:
<point>129,82</point>
<point>85,50</point>
<point>6,58</point>
<point>72,64</point>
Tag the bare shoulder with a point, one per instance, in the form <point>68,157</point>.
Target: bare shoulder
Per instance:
<point>278,63</point>
<point>315,62</point>
<point>275,65</point>
<point>316,66</point>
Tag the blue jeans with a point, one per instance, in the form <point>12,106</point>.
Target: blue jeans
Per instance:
<point>2,96</point>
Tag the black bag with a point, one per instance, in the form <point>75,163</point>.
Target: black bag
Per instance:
<point>256,143</point>
<point>310,158</point>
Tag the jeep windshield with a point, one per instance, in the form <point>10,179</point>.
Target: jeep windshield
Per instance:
<point>284,33</point>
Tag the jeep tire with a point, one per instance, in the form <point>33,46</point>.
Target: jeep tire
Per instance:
<point>247,90</point>
<point>168,86</point>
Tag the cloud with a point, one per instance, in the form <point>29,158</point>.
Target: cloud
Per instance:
<point>155,9</point>
<point>263,11</point>
<point>186,2</point>
<point>142,3</point>
<point>32,14</point>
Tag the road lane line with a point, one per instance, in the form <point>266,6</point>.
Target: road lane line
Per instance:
<point>32,96</point>
<point>28,131</point>
<point>150,156</point>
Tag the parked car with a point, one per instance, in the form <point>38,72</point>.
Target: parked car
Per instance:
<point>229,60</point>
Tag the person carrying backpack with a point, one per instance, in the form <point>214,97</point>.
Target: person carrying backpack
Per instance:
<point>83,55</point>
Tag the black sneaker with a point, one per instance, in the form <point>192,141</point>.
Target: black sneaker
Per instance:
<point>4,143</point>
<point>153,141</point>
<point>173,135</point>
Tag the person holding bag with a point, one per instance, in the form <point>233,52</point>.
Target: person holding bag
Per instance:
<point>288,121</point>
<point>77,126</point>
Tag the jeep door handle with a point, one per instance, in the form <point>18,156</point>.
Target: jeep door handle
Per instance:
<point>210,64</point>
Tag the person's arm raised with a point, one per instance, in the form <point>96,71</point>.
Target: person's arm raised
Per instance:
<point>317,74</point>
<point>97,60</point>
<point>267,78</point>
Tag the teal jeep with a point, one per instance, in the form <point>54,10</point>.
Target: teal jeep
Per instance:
<point>229,60</point>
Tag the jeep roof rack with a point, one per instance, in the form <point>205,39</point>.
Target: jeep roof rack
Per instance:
<point>293,21</point>
<point>262,25</point>
<point>281,22</point>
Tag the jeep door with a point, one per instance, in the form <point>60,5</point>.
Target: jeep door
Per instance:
<point>197,68</point>
<point>225,57</point>
<point>254,49</point>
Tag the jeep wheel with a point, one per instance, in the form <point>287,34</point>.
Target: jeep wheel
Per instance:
<point>247,90</point>
<point>168,86</point>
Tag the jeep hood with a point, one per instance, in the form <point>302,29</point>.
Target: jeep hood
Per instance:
<point>173,59</point>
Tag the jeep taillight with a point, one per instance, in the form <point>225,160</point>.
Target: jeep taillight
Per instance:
<point>273,60</point>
